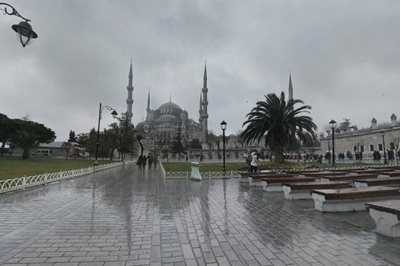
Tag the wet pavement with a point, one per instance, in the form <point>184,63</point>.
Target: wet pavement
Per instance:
<point>122,217</point>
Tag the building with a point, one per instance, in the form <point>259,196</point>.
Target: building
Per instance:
<point>170,122</point>
<point>363,143</point>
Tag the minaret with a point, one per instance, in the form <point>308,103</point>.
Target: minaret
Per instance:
<point>290,87</point>
<point>148,106</point>
<point>204,105</point>
<point>129,100</point>
<point>201,112</point>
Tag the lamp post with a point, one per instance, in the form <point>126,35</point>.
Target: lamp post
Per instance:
<point>332,123</point>
<point>384,150</point>
<point>223,127</point>
<point>24,30</point>
<point>114,114</point>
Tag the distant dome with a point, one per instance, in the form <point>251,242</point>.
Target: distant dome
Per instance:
<point>169,107</point>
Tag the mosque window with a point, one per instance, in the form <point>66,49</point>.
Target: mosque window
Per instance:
<point>380,147</point>
<point>371,147</point>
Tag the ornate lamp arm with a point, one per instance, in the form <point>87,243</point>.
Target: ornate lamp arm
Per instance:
<point>13,11</point>
<point>114,112</point>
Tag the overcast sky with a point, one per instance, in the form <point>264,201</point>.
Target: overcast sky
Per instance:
<point>343,55</point>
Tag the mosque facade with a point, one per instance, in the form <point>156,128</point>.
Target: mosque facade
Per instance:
<point>163,125</point>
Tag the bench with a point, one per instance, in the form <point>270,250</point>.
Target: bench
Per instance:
<point>386,215</point>
<point>391,174</point>
<point>372,170</point>
<point>270,184</point>
<point>244,177</point>
<point>379,181</point>
<point>321,174</point>
<point>349,177</point>
<point>256,181</point>
<point>350,199</point>
<point>295,191</point>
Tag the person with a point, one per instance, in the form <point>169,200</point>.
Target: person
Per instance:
<point>254,161</point>
<point>248,162</point>
<point>150,159</point>
<point>155,161</point>
<point>139,162</point>
<point>144,161</point>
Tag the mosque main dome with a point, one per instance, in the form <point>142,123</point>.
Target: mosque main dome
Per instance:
<point>169,108</point>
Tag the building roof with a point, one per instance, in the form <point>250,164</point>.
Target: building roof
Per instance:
<point>55,144</point>
<point>169,106</point>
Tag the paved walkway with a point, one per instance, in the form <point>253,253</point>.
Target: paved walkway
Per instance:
<point>122,217</point>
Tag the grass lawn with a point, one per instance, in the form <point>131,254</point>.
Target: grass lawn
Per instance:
<point>11,167</point>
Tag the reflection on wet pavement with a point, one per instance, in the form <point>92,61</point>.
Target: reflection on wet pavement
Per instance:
<point>123,217</point>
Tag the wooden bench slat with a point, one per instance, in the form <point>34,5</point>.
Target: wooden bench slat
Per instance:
<point>349,177</point>
<point>288,179</point>
<point>357,193</point>
<point>392,206</point>
<point>317,185</point>
<point>380,181</point>
<point>320,174</point>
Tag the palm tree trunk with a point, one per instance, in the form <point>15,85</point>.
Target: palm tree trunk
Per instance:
<point>279,154</point>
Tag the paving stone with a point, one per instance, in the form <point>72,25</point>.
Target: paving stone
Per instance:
<point>123,217</point>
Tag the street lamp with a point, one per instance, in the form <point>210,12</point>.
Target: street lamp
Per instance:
<point>24,30</point>
<point>223,127</point>
<point>333,126</point>
<point>114,114</point>
<point>384,150</point>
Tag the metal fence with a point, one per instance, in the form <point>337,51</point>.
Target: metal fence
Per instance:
<point>43,179</point>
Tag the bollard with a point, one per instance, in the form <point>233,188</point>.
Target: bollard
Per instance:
<point>195,173</point>
<point>23,182</point>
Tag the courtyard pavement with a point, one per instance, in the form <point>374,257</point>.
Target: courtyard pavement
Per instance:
<point>125,217</point>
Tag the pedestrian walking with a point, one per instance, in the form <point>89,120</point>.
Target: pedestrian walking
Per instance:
<point>150,160</point>
<point>254,162</point>
<point>139,162</point>
<point>155,161</point>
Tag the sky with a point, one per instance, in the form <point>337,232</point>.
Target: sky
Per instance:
<point>343,57</point>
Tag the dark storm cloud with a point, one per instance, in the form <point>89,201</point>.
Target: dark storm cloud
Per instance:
<point>343,56</point>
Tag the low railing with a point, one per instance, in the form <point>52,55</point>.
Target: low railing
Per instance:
<point>204,175</point>
<point>43,179</point>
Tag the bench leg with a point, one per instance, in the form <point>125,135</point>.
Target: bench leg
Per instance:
<point>387,224</point>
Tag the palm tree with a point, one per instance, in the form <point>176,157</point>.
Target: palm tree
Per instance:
<point>279,122</point>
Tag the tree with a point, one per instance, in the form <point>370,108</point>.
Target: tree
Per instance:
<point>279,122</point>
<point>310,141</point>
<point>88,141</point>
<point>345,126</point>
<point>29,134</point>
<point>176,145</point>
<point>211,139</point>
<point>126,135</point>
<point>72,136</point>
<point>7,129</point>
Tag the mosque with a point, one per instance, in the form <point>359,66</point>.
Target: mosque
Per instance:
<point>162,125</point>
